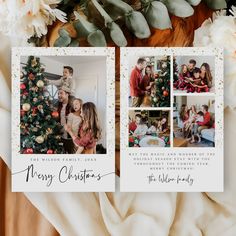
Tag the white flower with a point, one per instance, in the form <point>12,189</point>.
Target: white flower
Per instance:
<point>221,32</point>
<point>26,18</point>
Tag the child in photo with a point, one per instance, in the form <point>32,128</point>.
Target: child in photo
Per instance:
<point>199,118</point>
<point>142,128</point>
<point>74,119</point>
<point>153,128</point>
<point>89,131</point>
<point>133,125</point>
<point>196,84</point>
<point>66,80</point>
<point>182,78</point>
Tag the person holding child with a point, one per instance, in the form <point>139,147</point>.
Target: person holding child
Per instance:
<point>66,80</point>
<point>64,108</point>
<point>89,131</point>
<point>198,126</point>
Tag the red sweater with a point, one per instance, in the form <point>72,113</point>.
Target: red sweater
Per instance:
<point>135,83</point>
<point>207,118</point>
<point>85,139</point>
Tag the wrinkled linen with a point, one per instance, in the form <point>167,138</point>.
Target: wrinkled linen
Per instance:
<point>131,214</point>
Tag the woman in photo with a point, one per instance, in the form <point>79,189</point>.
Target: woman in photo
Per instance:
<point>206,74</point>
<point>184,116</point>
<point>163,125</point>
<point>89,131</point>
<point>74,118</point>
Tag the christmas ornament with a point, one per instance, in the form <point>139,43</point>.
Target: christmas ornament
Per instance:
<point>40,107</point>
<point>34,111</point>
<point>55,114</point>
<point>49,151</point>
<point>31,76</point>
<point>163,88</point>
<point>26,106</point>
<point>35,99</point>
<point>22,112</point>
<point>165,93</point>
<point>22,86</point>
<point>29,151</point>
<point>155,99</point>
<point>39,139</point>
<point>49,131</point>
<point>21,75</point>
<point>40,83</point>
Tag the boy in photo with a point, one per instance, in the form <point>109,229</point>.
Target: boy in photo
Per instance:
<point>66,80</point>
<point>133,125</point>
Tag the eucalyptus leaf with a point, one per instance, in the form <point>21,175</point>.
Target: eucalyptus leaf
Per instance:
<point>136,22</point>
<point>97,39</point>
<point>120,5</point>
<point>74,43</point>
<point>193,2</point>
<point>82,26</point>
<point>216,4</point>
<point>179,8</point>
<point>115,32</point>
<point>102,12</point>
<point>157,15</point>
<point>117,35</point>
<point>63,40</point>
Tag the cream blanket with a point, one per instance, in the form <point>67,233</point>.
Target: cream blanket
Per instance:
<point>131,214</point>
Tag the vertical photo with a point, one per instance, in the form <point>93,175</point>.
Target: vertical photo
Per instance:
<point>194,121</point>
<point>149,81</point>
<point>63,105</point>
<point>149,128</point>
<point>194,74</point>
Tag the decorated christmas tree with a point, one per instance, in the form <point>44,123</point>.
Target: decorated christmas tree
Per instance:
<point>175,71</point>
<point>160,93</point>
<point>39,124</point>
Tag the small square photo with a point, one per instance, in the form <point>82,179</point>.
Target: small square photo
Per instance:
<point>149,128</point>
<point>149,81</point>
<point>194,74</point>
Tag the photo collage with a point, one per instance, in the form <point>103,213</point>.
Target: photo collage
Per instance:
<point>171,101</point>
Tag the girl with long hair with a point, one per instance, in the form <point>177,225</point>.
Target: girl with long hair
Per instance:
<point>89,131</point>
<point>206,74</point>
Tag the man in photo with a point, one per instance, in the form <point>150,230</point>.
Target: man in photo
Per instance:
<point>66,80</point>
<point>191,66</point>
<point>64,108</point>
<point>198,126</point>
<point>136,91</point>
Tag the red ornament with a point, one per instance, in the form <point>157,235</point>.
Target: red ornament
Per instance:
<point>131,139</point>
<point>156,75</point>
<point>165,93</point>
<point>31,76</point>
<point>55,114</point>
<point>49,151</point>
<point>22,112</point>
<point>29,151</point>
<point>22,86</point>
<point>34,111</point>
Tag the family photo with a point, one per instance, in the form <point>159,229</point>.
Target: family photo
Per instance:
<point>149,81</point>
<point>193,74</point>
<point>194,121</point>
<point>149,128</point>
<point>63,105</point>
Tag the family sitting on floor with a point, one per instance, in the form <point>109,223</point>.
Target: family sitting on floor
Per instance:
<point>139,127</point>
<point>194,122</point>
<point>193,79</point>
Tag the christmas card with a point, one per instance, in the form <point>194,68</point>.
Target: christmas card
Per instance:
<point>171,120</point>
<point>63,135</point>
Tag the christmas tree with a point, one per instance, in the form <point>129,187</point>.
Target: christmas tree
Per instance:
<point>160,93</point>
<point>175,71</point>
<point>39,124</point>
